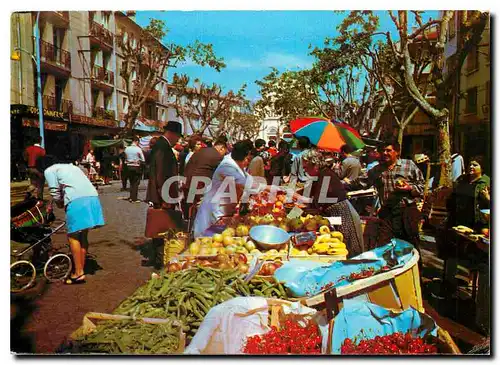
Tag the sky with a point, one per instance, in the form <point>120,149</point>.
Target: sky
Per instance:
<point>251,42</point>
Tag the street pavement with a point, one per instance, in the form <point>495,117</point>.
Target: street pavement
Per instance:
<point>44,317</point>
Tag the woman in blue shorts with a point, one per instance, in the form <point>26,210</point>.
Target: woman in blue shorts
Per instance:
<point>71,189</point>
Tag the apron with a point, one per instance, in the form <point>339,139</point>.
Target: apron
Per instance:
<point>211,207</point>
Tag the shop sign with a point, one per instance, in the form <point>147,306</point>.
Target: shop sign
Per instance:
<point>33,111</point>
<point>91,121</point>
<point>51,126</point>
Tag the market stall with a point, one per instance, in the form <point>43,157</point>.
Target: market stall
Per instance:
<point>260,280</point>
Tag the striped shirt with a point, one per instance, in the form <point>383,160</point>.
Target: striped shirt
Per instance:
<point>384,180</point>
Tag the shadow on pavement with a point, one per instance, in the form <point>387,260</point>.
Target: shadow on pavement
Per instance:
<point>91,265</point>
<point>22,306</point>
<point>151,250</point>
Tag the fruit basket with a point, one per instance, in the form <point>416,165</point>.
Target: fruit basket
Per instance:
<point>323,246</point>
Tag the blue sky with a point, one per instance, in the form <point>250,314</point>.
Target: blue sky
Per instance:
<point>251,42</point>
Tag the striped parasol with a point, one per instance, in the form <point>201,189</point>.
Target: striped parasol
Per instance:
<point>326,134</point>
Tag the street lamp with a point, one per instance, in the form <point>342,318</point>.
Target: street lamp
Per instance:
<point>16,56</point>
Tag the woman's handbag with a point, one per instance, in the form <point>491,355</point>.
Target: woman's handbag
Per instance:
<point>162,220</point>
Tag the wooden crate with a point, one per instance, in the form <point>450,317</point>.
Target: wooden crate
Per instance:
<point>396,289</point>
<point>91,320</point>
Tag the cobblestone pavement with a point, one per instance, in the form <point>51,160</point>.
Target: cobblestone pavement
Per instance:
<point>44,317</point>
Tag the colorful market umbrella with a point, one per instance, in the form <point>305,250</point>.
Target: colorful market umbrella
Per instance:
<point>326,134</point>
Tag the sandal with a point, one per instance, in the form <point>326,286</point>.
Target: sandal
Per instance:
<point>71,281</point>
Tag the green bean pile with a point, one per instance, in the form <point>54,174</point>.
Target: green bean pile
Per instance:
<point>188,295</point>
<point>130,337</point>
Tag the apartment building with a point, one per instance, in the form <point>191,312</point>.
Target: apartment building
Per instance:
<point>155,111</point>
<point>82,90</point>
<point>470,111</point>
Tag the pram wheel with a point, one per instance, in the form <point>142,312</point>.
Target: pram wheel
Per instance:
<point>22,276</point>
<point>57,268</point>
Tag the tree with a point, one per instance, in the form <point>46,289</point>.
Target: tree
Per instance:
<point>354,48</point>
<point>203,103</point>
<point>472,25</point>
<point>407,71</point>
<point>146,60</point>
<point>243,125</point>
<point>286,95</point>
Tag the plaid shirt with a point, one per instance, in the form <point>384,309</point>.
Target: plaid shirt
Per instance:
<point>384,180</point>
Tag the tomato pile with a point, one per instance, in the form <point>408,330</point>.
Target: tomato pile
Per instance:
<point>397,343</point>
<point>291,339</point>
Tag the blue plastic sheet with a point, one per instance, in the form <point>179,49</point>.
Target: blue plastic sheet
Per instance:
<point>362,321</point>
<point>307,281</point>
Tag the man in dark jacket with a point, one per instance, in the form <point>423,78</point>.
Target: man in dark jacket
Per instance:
<point>163,165</point>
<point>203,163</point>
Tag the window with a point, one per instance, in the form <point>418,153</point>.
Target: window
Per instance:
<point>149,110</point>
<point>108,102</point>
<point>125,105</point>
<point>471,107</point>
<point>60,85</point>
<point>473,59</point>
<point>105,19</point>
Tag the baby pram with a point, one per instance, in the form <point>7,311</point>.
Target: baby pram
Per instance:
<point>31,245</point>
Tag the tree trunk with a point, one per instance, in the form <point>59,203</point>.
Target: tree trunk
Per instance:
<point>400,136</point>
<point>130,119</point>
<point>444,151</point>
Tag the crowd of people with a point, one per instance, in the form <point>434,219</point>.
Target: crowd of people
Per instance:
<point>200,170</point>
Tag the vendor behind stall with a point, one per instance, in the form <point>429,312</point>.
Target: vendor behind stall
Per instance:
<point>232,166</point>
<point>400,184</point>
<point>470,195</point>
<point>328,185</point>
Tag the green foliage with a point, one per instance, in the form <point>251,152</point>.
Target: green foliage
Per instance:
<point>207,104</point>
<point>147,59</point>
<point>203,54</point>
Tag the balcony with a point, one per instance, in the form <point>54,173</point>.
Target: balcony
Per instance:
<point>101,36</point>
<point>58,18</point>
<point>64,106</point>
<point>102,79</point>
<point>55,59</point>
<point>154,95</point>
<point>101,113</point>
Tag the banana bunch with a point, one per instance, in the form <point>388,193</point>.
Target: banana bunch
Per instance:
<point>328,243</point>
<point>463,229</point>
<point>172,248</point>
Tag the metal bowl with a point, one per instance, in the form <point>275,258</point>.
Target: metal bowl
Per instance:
<point>269,237</point>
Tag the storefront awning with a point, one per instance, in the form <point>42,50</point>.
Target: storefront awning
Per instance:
<point>140,126</point>
<point>96,143</point>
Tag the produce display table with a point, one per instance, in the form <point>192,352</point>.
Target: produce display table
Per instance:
<point>474,251</point>
<point>396,289</point>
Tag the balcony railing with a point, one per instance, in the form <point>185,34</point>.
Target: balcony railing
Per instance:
<point>59,18</point>
<point>64,106</point>
<point>100,74</point>
<point>56,55</point>
<point>101,113</point>
<point>101,33</point>
<point>154,95</point>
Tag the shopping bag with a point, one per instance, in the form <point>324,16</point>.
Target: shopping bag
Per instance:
<point>162,220</point>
